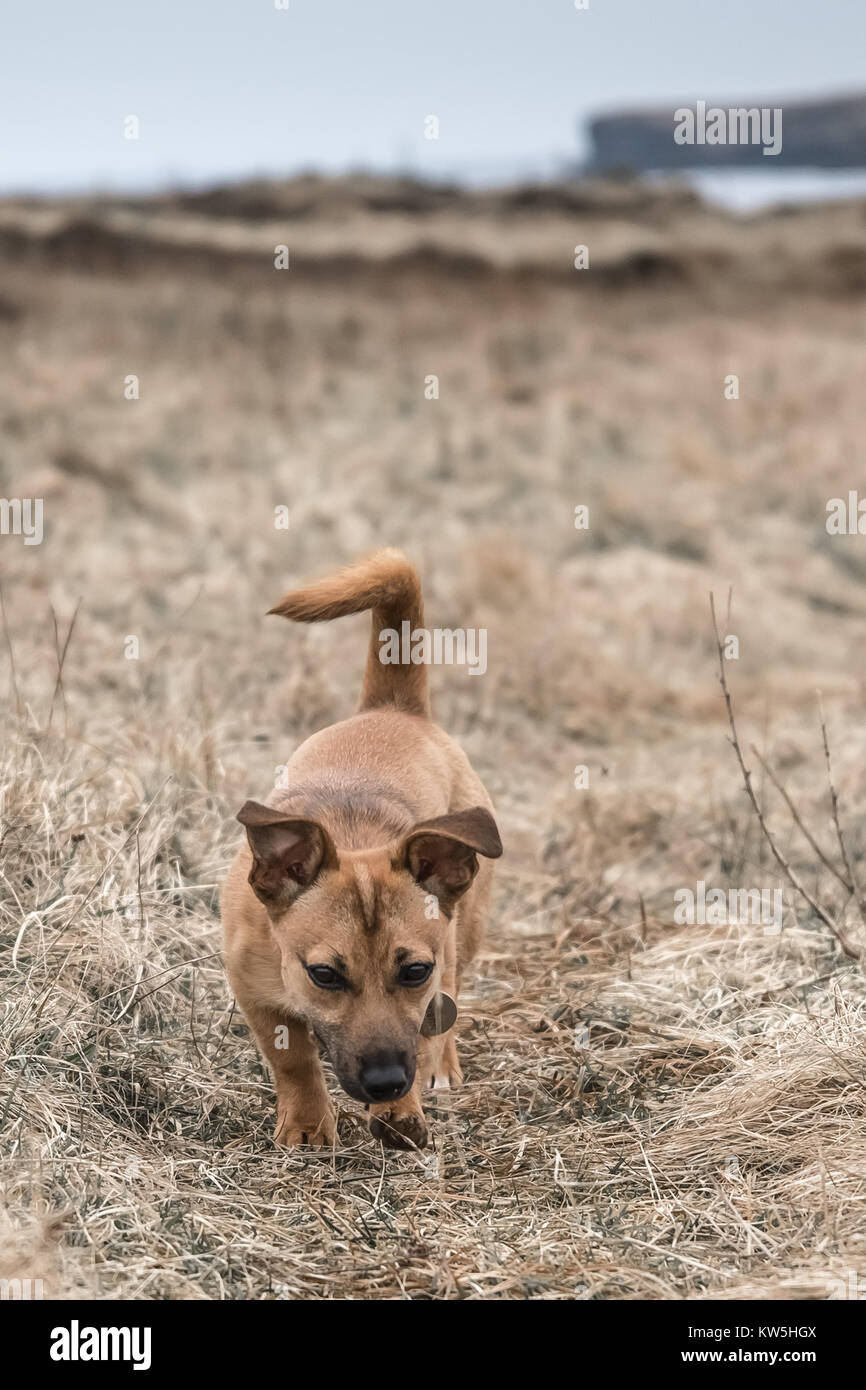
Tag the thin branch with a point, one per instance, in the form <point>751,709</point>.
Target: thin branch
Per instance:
<point>828,863</point>
<point>850,950</point>
<point>11,652</point>
<point>834,803</point>
<point>61,659</point>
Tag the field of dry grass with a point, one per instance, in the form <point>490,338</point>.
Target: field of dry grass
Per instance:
<point>651,1110</point>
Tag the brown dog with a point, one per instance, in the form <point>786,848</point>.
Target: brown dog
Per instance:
<point>359,898</point>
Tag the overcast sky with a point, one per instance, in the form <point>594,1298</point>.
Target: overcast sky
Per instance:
<point>224,88</point>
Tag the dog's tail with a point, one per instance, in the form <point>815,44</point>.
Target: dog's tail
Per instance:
<point>388,585</point>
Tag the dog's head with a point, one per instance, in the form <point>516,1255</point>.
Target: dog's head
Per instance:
<point>362,934</point>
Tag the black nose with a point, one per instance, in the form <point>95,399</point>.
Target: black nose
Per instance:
<point>384,1078</point>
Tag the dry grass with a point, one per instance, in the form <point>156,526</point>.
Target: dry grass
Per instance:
<point>650,1110</point>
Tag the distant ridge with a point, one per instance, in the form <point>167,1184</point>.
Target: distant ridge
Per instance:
<point>828,134</point>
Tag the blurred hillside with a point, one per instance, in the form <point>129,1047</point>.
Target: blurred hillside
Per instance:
<point>635,232</point>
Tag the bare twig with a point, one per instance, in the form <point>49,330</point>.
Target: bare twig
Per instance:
<point>11,651</point>
<point>849,949</point>
<point>834,804</point>
<point>798,820</point>
<point>61,658</point>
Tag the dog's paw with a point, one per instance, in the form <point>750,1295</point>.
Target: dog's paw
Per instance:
<point>399,1129</point>
<point>293,1130</point>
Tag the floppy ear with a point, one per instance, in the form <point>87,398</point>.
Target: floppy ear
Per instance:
<point>440,853</point>
<point>288,853</point>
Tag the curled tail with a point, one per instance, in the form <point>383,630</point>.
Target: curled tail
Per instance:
<point>388,585</point>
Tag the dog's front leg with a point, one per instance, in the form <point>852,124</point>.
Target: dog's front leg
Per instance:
<point>438,1063</point>
<point>305,1114</point>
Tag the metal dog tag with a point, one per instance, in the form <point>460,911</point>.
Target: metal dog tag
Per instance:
<point>440,1016</point>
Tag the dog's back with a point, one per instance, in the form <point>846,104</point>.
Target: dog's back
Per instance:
<point>369,778</point>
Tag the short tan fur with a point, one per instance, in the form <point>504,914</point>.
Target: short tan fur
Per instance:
<point>359,897</point>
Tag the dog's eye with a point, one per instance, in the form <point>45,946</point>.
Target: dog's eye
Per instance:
<point>417,973</point>
<point>325,977</point>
